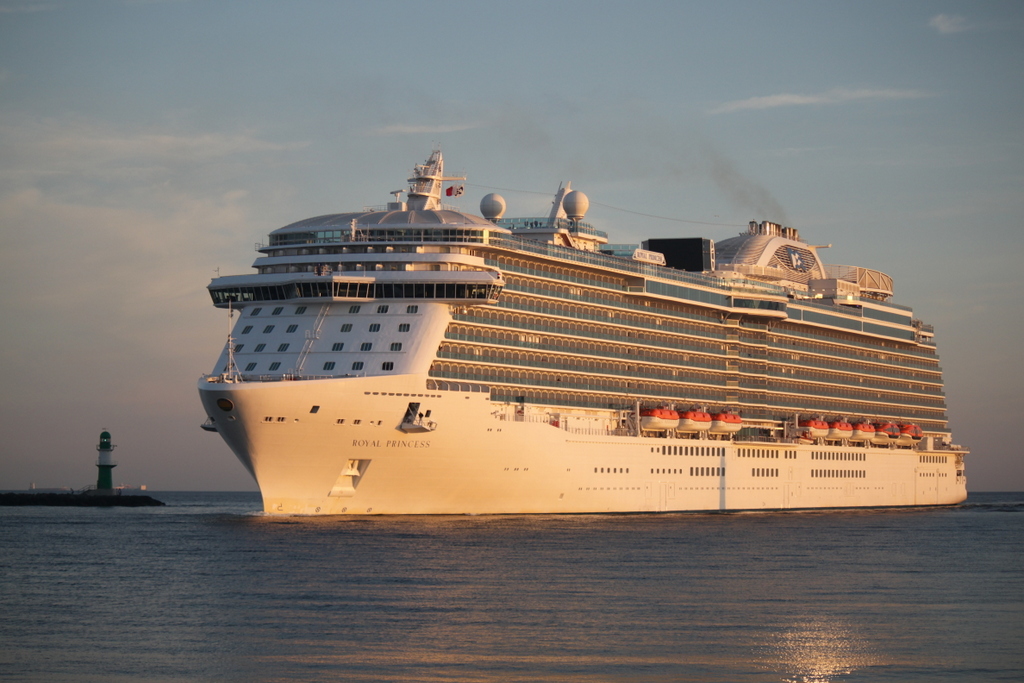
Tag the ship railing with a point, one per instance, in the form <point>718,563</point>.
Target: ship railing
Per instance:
<point>603,318</point>
<point>449,385</point>
<point>545,223</point>
<point>908,363</point>
<point>692,363</point>
<point>852,391</point>
<point>583,316</point>
<point>463,233</point>
<point>592,431</point>
<point>583,371</point>
<point>885,372</point>
<point>602,393</point>
<point>286,377</point>
<point>866,278</point>
<point>380,208</point>
<point>923,327</point>
<point>760,439</point>
<point>516,243</point>
<point>591,300</point>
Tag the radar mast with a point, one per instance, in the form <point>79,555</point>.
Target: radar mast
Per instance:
<point>425,183</point>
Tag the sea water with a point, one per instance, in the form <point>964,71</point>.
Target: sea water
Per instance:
<point>208,588</point>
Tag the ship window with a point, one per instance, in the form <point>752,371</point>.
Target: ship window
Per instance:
<point>396,346</point>
<point>329,365</point>
<point>282,348</point>
<point>247,329</point>
<point>404,327</point>
<point>277,311</point>
<point>338,346</point>
<point>375,327</point>
<point>387,366</point>
<point>250,367</point>
<point>354,309</point>
<point>300,310</point>
<point>383,308</point>
<point>314,409</point>
<point>260,347</point>
<point>238,347</point>
<point>292,328</point>
<point>365,346</point>
<point>274,366</point>
<point>256,311</point>
<point>358,365</point>
<point>412,309</point>
<point>347,327</point>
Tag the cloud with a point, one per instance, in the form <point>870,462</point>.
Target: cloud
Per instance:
<point>403,129</point>
<point>834,96</point>
<point>948,23</point>
<point>78,151</point>
<point>71,138</point>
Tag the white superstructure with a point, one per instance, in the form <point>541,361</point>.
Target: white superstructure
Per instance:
<point>419,359</point>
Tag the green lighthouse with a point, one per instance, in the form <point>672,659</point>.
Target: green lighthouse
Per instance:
<point>105,463</point>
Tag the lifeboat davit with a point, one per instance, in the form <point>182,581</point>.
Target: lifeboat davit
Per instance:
<point>726,423</point>
<point>840,429</point>
<point>694,421</point>
<point>862,431</point>
<point>657,419</point>
<point>814,429</point>
<point>885,432</point>
<point>910,434</point>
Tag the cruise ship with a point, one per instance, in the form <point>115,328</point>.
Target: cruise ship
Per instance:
<point>413,358</point>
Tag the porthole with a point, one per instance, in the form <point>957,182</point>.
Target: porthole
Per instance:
<point>225,405</point>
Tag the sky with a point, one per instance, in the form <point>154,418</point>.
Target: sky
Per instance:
<point>148,145</point>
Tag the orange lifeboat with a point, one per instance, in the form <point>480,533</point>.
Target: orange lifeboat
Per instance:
<point>694,421</point>
<point>885,432</point>
<point>910,434</point>
<point>840,429</point>
<point>726,423</point>
<point>862,431</point>
<point>657,419</point>
<point>814,429</point>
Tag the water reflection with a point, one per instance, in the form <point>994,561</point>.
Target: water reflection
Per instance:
<point>818,651</point>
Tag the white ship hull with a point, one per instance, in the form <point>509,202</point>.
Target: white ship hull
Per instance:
<point>352,456</point>
<point>417,359</point>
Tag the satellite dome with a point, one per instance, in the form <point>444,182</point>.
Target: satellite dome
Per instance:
<point>492,206</point>
<point>575,205</point>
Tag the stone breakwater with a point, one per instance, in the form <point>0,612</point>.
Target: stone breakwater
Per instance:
<point>77,500</point>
